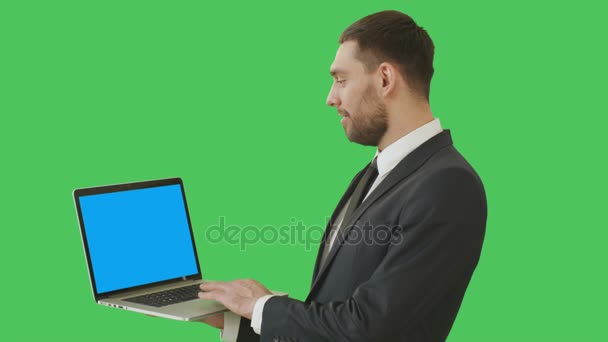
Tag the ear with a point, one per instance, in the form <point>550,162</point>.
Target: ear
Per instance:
<point>388,78</point>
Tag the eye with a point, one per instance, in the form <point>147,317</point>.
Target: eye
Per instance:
<point>341,81</point>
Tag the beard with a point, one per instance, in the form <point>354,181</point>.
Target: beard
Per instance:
<point>370,123</point>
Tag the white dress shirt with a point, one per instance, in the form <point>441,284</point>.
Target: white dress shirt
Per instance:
<point>386,160</point>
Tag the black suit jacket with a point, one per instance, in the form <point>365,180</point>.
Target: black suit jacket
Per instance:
<point>400,266</point>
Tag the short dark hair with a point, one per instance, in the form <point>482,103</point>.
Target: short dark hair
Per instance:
<point>394,37</point>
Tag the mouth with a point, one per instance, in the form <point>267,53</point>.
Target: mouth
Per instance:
<point>344,117</point>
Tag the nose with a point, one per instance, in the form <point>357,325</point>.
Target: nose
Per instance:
<point>332,99</point>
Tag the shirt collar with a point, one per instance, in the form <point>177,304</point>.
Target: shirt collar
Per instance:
<point>395,152</point>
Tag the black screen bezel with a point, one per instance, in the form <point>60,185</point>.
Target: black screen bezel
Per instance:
<point>125,187</point>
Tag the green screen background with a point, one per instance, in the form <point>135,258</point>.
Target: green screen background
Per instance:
<point>230,96</point>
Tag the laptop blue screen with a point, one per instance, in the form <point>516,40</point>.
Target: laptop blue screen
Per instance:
<point>137,237</point>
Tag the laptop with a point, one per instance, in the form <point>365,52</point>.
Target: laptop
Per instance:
<point>140,249</point>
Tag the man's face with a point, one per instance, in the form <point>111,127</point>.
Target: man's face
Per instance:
<point>355,95</point>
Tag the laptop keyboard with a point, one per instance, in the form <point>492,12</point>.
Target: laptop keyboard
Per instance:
<point>168,297</point>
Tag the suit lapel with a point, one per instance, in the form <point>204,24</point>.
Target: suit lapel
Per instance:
<point>406,167</point>
<point>332,220</point>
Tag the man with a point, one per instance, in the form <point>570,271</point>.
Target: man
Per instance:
<point>404,240</point>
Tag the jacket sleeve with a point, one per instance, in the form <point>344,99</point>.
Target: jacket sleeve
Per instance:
<point>435,249</point>
<point>246,333</point>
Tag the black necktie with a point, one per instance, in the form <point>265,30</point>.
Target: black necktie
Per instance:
<point>365,183</point>
<point>362,188</point>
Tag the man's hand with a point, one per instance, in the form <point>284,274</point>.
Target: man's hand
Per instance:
<point>238,296</point>
<point>216,321</point>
